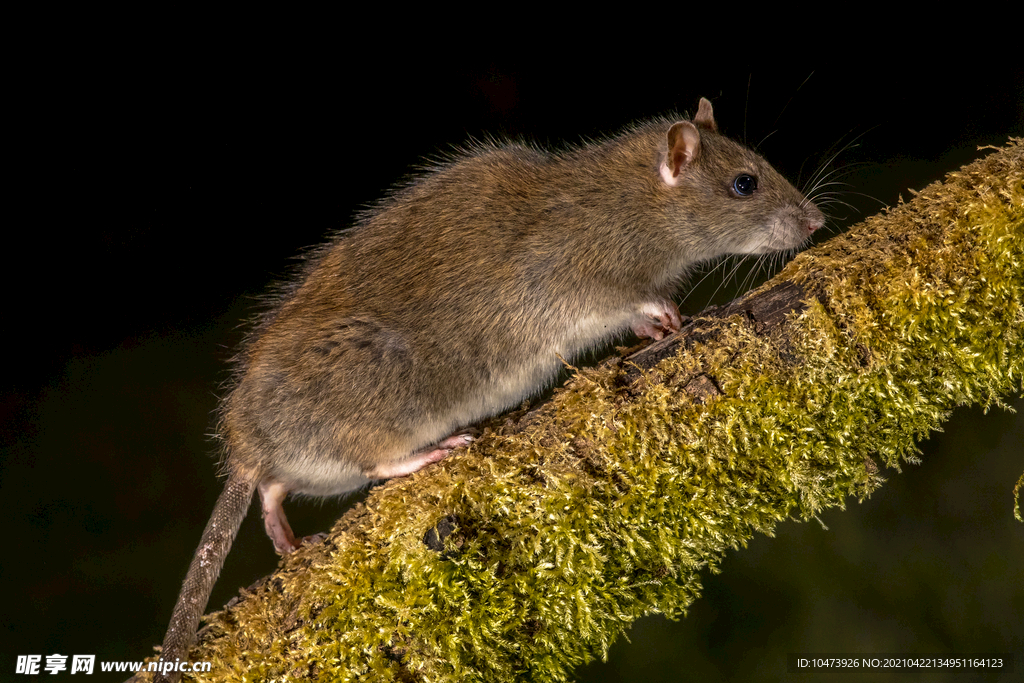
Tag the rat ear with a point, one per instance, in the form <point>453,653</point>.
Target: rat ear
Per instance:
<point>683,148</point>
<point>705,117</point>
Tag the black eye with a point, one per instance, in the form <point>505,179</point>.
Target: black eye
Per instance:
<point>744,185</point>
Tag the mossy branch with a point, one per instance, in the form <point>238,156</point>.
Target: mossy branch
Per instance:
<point>529,553</point>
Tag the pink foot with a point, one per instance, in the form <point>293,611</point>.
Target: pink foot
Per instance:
<point>660,317</point>
<point>419,459</point>
<point>272,497</point>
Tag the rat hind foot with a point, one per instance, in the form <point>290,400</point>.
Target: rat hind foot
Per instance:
<point>420,458</point>
<point>272,495</point>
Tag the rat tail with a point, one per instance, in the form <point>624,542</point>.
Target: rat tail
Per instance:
<point>220,531</point>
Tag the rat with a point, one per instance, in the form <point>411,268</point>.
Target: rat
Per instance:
<point>459,295</point>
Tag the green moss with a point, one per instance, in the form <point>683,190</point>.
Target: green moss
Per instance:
<point>612,500</point>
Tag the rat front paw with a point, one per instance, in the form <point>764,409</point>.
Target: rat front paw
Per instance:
<point>659,318</point>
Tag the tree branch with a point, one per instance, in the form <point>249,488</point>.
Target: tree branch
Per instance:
<point>530,552</point>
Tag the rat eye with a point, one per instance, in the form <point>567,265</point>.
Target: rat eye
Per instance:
<point>744,185</point>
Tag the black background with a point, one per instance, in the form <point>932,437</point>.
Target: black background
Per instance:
<point>158,191</point>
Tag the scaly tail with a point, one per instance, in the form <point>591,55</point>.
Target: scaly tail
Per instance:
<point>220,531</point>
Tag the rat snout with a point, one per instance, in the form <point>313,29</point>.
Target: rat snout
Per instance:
<point>813,218</point>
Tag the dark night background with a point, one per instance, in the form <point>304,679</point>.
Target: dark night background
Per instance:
<point>158,197</point>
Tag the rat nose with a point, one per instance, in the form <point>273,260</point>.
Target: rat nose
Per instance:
<point>813,218</point>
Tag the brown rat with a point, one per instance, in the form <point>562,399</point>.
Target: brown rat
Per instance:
<point>453,299</point>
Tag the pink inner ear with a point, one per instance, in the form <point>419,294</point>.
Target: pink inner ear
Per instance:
<point>684,142</point>
<point>679,159</point>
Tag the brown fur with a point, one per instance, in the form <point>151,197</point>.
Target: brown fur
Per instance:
<point>455,297</point>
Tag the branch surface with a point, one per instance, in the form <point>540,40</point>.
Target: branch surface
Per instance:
<point>530,552</point>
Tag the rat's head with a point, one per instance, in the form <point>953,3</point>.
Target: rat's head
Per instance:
<point>736,201</point>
